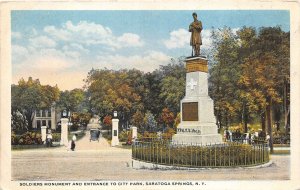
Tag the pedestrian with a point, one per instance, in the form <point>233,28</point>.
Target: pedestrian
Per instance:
<point>268,138</point>
<point>49,139</point>
<point>73,142</point>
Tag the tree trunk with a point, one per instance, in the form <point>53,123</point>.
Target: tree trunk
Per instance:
<point>263,121</point>
<point>269,123</point>
<point>245,118</point>
<point>29,118</point>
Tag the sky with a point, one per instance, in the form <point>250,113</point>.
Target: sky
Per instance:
<point>61,47</point>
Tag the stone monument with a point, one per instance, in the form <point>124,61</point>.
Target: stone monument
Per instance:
<point>198,123</point>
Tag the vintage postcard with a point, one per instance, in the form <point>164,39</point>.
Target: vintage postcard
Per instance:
<point>150,95</point>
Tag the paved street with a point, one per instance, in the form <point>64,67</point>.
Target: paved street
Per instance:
<point>98,161</point>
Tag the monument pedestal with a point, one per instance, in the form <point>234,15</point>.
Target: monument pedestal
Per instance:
<point>198,123</point>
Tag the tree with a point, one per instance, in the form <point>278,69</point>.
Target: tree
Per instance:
<point>149,121</point>
<point>19,124</point>
<point>172,91</point>
<point>138,120</point>
<point>265,70</point>
<point>71,100</point>
<point>167,118</point>
<point>224,74</point>
<point>107,121</point>
<point>29,96</point>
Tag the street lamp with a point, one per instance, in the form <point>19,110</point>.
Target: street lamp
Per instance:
<point>115,114</point>
<point>64,114</point>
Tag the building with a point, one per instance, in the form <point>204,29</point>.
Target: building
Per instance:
<point>46,117</point>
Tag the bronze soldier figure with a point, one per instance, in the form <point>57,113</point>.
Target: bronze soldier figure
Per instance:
<point>195,28</point>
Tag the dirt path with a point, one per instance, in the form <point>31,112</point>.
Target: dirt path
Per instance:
<point>115,164</point>
<point>86,144</point>
<point>99,161</point>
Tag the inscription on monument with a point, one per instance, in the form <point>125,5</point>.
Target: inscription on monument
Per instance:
<point>190,111</point>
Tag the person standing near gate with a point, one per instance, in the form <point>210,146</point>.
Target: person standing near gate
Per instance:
<point>73,142</point>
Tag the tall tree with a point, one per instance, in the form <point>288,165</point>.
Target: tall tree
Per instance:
<point>71,100</point>
<point>224,74</point>
<point>30,96</point>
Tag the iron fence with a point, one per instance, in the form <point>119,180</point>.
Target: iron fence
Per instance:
<point>231,154</point>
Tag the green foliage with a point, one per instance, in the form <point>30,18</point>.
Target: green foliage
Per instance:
<point>79,119</point>
<point>138,119</point>
<point>19,124</point>
<point>71,100</point>
<point>56,137</point>
<point>29,96</point>
<point>248,69</point>
<point>28,138</point>
<point>133,93</point>
<point>149,121</point>
<point>125,136</point>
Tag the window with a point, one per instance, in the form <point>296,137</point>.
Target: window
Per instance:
<point>38,113</point>
<point>44,123</point>
<point>38,124</point>
<point>44,113</point>
<point>49,123</point>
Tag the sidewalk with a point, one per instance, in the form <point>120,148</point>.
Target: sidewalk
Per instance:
<point>99,161</point>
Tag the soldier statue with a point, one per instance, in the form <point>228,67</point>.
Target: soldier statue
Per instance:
<point>195,28</point>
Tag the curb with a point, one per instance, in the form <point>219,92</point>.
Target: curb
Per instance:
<point>136,164</point>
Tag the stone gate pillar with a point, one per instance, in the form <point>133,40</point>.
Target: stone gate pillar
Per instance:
<point>115,132</point>
<point>134,133</point>
<point>64,132</point>
<point>44,133</point>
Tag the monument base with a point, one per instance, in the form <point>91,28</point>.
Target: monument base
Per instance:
<point>196,133</point>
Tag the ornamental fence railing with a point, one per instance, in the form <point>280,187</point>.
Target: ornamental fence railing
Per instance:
<point>231,154</point>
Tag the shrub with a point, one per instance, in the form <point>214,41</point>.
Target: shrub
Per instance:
<point>27,138</point>
<point>56,137</point>
<point>123,136</point>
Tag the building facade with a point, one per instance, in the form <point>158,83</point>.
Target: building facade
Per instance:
<point>46,117</point>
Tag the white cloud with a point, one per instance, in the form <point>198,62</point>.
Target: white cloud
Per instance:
<point>129,39</point>
<point>58,34</point>
<point>16,35</point>
<point>147,62</point>
<point>206,39</point>
<point>42,42</point>
<point>90,33</point>
<point>178,39</point>
<point>19,53</point>
<point>18,50</point>
<point>48,59</point>
<point>75,47</point>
